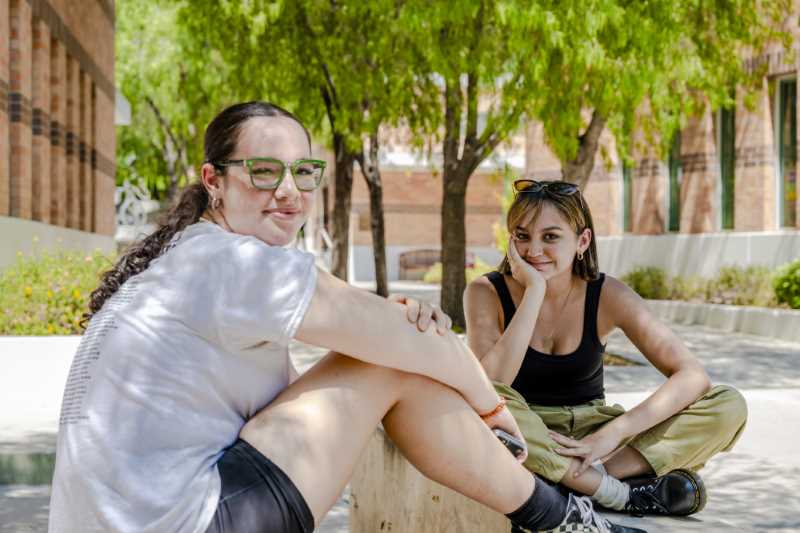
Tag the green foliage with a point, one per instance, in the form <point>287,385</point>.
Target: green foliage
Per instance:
<point>648,282</point>
<point>737,285</point>
<point>689,289</point>
<point>613,56</point>
<point>733,285</point>
<point>787,284</point>
<point>175,85</point>
<point>499,230</point>
<point>47,294</point>
<point>434,274</point>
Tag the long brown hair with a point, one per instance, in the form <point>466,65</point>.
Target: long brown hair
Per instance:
<point>221,137</point>
<point>573,207</point>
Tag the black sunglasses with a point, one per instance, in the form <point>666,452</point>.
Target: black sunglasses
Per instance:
<point>555,187</point>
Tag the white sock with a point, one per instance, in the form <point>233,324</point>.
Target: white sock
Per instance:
<point>612,493</point>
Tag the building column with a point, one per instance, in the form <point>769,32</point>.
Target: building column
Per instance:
<point>5,171</point>
<point>103,157</point>
<point>72,129</point>
<point>85,153</point>
<point>755,200</point>
<point>648,187</point>
<point>41,168</point>
<point>20,110</point>
<point>700,173</point>
<point>58,121</point>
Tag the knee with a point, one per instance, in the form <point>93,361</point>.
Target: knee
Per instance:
<point>730,408</point>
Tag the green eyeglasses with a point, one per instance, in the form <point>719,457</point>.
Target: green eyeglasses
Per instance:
<point>267,173</point>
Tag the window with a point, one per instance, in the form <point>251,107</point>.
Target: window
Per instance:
<point>727,161</point>
<point>626,198</point>
<point>674,164</point>
<point>787,152</point>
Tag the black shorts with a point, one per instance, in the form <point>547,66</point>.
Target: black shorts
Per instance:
<point>257,496</point>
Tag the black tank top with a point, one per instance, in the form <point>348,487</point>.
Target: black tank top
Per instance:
<point>555,380</point>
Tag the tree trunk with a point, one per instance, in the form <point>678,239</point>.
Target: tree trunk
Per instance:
<point>371,170</point>
<point>579,169</point>
<point>343,189</point>
<point>454,243</point>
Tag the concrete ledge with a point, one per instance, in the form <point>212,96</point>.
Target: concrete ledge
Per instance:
<point>27,236</point>
<point>782,324</point>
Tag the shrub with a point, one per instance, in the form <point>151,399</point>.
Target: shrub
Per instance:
<point>735,285</point>
<point>691,288</point>
<point>648,282</point>
<point>47,294</point>
<point>434,274</point>
<point>786,284</point>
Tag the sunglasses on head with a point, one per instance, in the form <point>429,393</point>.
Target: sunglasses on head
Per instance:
<point>555,187</point>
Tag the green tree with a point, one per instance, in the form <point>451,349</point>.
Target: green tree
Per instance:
<point>174,86</point>
<point>578,67</point>
<point>645,65</point>
<point>341,66</point>
<point>482,56</point>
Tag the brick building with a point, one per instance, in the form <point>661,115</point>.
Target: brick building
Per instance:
<point>412,198</point>
<point>57,138</point>
<point>726,194</point>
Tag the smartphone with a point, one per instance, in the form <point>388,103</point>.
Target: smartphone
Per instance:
<point>514,445</point>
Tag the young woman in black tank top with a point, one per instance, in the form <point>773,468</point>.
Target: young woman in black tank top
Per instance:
<point>539,324</point>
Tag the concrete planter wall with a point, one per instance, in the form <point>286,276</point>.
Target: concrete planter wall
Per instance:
<point>780,324</point>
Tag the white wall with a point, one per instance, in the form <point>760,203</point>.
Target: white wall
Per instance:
<point>681,254</point>
<point>363,264</point>
<point>697,254</point>
<point>17,235</point>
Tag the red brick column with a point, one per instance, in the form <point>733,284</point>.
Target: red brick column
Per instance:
<point>104,164</point>
<point>5,38</point>
<point>755,198</point>
<point>20,107</point>
<point>58,121</point>
<point>648,185</point>
<point>72,129</point>
<point>700,174</point>
<point>85,153</point>
<point>41,122</point>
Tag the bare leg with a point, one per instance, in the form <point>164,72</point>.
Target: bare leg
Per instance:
<point>587,483</point>
<point>627,462</point>
<point>317,428</point>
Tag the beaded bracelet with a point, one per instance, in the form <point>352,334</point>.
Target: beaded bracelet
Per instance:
<point>500,406</point>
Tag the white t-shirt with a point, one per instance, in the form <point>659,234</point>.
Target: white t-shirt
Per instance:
<point>166,375</point>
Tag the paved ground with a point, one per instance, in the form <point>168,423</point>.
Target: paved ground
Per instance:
<point>753,488</point>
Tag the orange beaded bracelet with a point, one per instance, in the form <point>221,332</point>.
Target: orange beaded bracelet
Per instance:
<point>500,406</point>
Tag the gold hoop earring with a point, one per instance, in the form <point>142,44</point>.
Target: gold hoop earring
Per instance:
<point>580,255</point>
<point>216,203</point>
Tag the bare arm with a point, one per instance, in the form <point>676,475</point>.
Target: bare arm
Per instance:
<point>368,327</point>
<point>687,380</point>
<point>500,352</point>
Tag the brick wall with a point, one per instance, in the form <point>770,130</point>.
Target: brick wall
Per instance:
<point>57,96</point>
<point>412,208</point>
<point>41,167</point>
<point>20,110</point>
<point>754,187</point>
<point>5,76</point>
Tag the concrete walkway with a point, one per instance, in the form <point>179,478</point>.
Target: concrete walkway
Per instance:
<point>754,488</point>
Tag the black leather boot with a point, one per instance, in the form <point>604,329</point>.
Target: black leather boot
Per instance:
<point>678,493</point>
